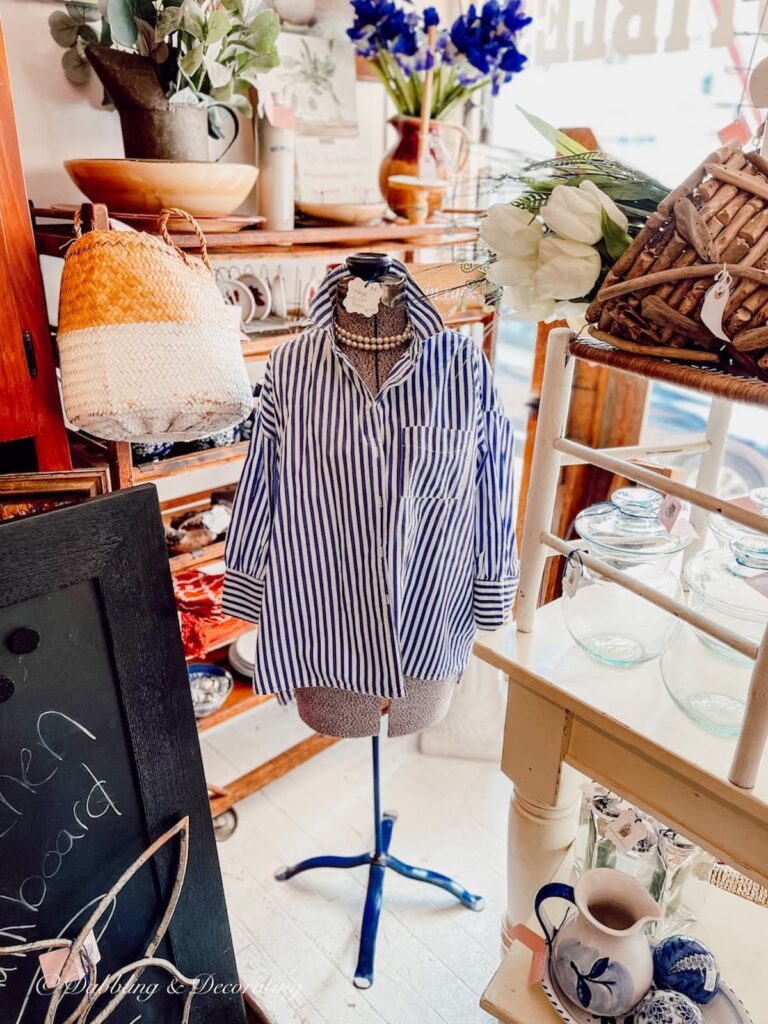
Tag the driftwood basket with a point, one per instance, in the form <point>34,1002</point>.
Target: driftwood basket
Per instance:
<point>650,301</point>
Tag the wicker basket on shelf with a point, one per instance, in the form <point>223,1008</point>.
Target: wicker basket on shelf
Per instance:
<point>651,299</point>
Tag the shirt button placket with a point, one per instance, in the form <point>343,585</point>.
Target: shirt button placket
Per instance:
<point>380,476</point>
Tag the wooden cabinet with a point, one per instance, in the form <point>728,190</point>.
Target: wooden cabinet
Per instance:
<point>32,433</point>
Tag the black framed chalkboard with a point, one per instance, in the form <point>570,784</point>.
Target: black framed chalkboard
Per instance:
<point>99,756</point>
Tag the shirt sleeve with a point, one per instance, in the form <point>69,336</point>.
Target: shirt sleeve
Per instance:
<point>247,548</point>
<point>496,564</point>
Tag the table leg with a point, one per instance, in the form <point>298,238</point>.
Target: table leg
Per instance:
<point>538,838</point>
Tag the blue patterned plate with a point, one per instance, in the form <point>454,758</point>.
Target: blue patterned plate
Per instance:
<point>725,1008</point>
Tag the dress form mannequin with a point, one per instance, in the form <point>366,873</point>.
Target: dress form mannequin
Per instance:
<point>339,712</point>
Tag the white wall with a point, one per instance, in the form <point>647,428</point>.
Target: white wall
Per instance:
<point>57,121</point>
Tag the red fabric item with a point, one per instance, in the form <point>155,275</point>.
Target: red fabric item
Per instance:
<point>204,627</point>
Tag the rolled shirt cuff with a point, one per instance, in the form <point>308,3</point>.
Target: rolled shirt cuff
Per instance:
<point>242,595</point>
<point>493,601</point>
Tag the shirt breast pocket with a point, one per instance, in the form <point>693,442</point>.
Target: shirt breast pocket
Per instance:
<point>436,462</point>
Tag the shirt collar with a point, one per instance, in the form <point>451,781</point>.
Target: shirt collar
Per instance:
<point>423,315</point>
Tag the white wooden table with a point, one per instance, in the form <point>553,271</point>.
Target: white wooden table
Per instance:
<point>568,714</point>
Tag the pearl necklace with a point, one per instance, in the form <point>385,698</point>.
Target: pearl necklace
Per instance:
<point>365,341</point>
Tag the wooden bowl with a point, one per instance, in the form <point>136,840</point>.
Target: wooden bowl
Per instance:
<point>345,213</point>
<point>147,186</point>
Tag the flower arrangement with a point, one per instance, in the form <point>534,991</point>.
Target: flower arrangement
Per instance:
<point>480,49</point>
<point>204,52</point>
<point>574,217</point>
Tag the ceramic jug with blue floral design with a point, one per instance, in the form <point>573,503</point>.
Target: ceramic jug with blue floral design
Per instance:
<point>599,957</point>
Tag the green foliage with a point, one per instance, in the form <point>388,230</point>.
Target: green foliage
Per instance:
<point>122,21</point>
<point>563,143</point>
<point>636,194</point>
<point>206,51</point>
<point>72,29</point>
<point>617,241</point>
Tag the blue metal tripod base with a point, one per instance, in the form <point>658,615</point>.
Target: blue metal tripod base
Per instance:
<point>378,861</point>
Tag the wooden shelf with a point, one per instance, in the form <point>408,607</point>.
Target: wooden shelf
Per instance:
<point>227,796</point>
<point>620,727</point>
<point>317,241</point>
<point>193,460</point>
<point>729,925</point>
<point>241,699</point>
<point>194,559</point>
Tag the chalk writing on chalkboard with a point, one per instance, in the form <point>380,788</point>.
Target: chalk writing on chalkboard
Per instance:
<point>66,964</point>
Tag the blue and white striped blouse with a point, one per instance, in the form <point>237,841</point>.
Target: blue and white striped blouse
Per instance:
<point>372,537</point>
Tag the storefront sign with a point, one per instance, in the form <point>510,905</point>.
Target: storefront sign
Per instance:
<point>574,30</point>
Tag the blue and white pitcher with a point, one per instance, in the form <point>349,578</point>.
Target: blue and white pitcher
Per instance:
<point>599,957</point>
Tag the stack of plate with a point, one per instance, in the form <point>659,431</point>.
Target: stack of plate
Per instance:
<point>242,653</point>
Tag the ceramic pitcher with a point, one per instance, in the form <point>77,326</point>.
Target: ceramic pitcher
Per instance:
<point>599,957</point>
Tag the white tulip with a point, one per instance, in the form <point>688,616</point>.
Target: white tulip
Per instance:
<point>573,214</point>
<point>524,304</point>
<point>606,202</point>
<point>568,269</point>
<point>510,231</point>
<point>577,213</point>
<point>509,273</point>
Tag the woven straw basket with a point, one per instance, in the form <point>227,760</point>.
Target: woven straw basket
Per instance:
<point>149,349</point>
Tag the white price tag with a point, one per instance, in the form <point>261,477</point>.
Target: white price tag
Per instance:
<point>571,574</point>
<point>627,830</point>
<point>710,979</point>
<point>669,517</point>
<point>669,511</point>
<point>363,297</point>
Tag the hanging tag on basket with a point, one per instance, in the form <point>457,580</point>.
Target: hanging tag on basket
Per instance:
<point>715,302</point>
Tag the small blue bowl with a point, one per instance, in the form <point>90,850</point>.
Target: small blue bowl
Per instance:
<point>210,686</point>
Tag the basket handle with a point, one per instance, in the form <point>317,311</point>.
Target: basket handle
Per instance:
<point>162,224</point>
<point>95,217</point>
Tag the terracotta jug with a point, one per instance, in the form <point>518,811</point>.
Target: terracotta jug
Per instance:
<point>600,957</point>
<point>403,158</point>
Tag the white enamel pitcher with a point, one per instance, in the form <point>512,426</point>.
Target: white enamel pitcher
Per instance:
<point>600,957</point>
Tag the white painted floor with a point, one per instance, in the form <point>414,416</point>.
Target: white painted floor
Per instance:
<point>296,941</point>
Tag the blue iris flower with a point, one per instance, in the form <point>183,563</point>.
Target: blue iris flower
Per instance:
<point>431,17</point>
<point>481,44</point>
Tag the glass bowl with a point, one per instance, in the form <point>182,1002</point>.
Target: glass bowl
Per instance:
<point>708,681</point>
<point>626,530</point>
<point>720,585</point>
<point>614,625</point>
<point>725,530</point>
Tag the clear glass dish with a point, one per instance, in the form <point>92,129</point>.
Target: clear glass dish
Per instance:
<point>614,625</point>
<point>708,681</point>
<point>725,530</point>
<point>720,585</point>
<point>627,531</point>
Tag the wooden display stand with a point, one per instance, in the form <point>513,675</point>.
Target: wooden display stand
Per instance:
<point>566,711</point>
